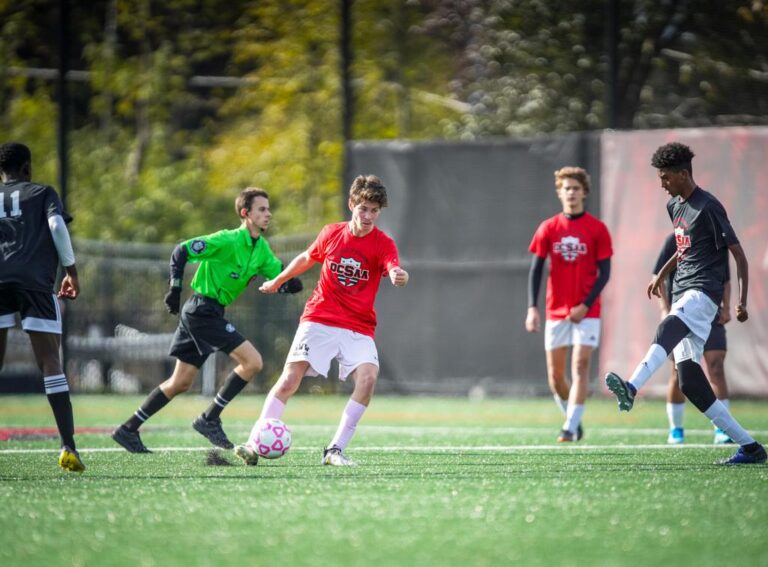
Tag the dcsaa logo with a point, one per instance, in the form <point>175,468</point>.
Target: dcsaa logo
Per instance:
<point>348,271</point>
<point>570,248</point>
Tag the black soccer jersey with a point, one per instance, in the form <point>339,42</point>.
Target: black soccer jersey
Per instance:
<point>668,249</point>
<point>28,256</point>
<point>702,235</point>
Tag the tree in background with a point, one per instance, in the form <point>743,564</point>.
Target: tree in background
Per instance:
<point>179,104</point>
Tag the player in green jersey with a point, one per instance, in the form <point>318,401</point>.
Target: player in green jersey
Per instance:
<point>229,260</point>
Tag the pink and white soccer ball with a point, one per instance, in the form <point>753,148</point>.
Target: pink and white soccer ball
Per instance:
<point>272,439</point>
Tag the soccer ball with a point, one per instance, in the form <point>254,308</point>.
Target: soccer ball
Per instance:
<point>273,438</point>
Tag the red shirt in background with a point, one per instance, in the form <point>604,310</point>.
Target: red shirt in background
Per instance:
<point>352,268</point>
<point>574,247</point>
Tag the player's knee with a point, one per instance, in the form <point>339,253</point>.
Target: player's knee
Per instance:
<point>694,385</point>
<point>253,365</point>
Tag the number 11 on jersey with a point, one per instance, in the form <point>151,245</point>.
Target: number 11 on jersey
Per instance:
<point>15,209</point>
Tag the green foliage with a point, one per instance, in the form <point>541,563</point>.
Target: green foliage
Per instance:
<point>159,150</point>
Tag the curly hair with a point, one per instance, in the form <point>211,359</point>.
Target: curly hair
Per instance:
<point>674,156</point>
<point>368,188</point>
<point>13,155</point>
<point>571,172</point>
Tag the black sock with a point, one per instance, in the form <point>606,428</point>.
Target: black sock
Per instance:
<point>62,412</point>
<point>232,387</point>
<point>154,402</point>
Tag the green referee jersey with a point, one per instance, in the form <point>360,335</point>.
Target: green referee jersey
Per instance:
<point>229,259</point>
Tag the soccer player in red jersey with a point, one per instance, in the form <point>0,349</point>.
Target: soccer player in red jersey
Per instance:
<point>579,250</point>
<point>339,319</point>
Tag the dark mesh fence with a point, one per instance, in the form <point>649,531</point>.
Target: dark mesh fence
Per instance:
<point>118,331</point>
<point>463,215</point>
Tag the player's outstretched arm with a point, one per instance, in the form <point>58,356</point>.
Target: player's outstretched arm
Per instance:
<point>398,276</point>
<point>742,276</point>
<point>297,266</point>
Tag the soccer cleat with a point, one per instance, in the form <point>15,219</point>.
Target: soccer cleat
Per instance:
<point>130,440</point>
<point>212,431</point>
<point>579,433</point>
<point>566,436</point>
<point>745,457</point>
<point>624,392</point>
<point>247,455</point>
<point>676,436</point>
<point>721,437</point>
<point>334,457</point>
<point>69,460</point>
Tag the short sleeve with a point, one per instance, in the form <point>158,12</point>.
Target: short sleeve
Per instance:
<point>53,204</point>
<point>389,256</point>
<point>667,251</point>
<point>206,246</point>
<point>540,244</point>
<point>723,231</point>
<point>604,243</point>
<point>317,250</point>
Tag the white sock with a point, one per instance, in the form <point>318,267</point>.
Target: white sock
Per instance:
<point>722,418</point>
<point>562,404</point>
<point>352,414</point>
<point>675,415</point>
<point>727,405</point>
<point>573,417</point>
<point>653,360</point>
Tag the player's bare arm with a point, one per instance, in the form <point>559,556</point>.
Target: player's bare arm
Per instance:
<point>742,276</point>
<point>296,267</point>
<point>398,276</point>
<point>725,305</point>
<point>664,305</point>
<point>655,287</point>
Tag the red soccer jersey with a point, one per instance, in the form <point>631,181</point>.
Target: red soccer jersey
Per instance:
<point>574,247</point>
<point>349,278</point>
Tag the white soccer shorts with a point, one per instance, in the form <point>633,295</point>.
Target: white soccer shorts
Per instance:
<point>565,333</point>
<point>697,311</point>
<point>318,344</point>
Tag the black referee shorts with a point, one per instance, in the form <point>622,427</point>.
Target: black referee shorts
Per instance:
<point>203,330</point>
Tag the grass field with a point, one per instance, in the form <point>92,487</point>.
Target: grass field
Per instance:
<point>440,482</point>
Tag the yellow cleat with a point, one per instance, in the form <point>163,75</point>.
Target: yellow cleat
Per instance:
<point>69,460</point>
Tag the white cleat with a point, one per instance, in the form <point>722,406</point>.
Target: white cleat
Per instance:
<point>247,455</point>
<point>333,456</point>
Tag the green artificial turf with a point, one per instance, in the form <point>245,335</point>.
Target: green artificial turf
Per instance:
<point>440,482</point>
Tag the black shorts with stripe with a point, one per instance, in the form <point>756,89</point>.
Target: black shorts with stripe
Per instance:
<point>202,331</point>
<point>39,310</point>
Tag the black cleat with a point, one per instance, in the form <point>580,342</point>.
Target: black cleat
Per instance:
<point>579,433</point>
<point>130,440</point>
<point>212,431</point>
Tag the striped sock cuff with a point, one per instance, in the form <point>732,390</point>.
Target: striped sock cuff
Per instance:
<point>219,401</point>
<point>141,415</point>
<point>55,384</point>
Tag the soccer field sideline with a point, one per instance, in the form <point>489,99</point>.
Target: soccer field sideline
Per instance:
<point>410,449</point>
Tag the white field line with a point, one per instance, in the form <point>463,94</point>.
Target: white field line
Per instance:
<point>415,449</point>
<point>416,430</point>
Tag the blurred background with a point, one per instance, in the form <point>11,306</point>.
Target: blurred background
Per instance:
<point>150,116</point>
